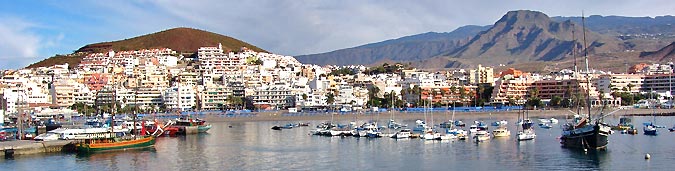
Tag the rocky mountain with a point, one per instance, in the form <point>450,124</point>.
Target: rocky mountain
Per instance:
<point>526,36</point>
<point>625,26</point>
<point>665,54</point>
<point>182,40</point>
<point>409,48</point>
<point>519,38</point>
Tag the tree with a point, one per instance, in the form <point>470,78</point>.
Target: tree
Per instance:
<point>630,87</point>
<point>534,100</point>
<point>330,98</point>
<point>511,101</point>
<point>556,101</point>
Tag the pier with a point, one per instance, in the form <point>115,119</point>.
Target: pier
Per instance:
<point>25,147</point>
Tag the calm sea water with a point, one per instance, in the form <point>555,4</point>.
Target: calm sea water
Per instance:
<point>254,146</point>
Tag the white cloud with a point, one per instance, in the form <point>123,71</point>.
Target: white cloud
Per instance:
<point>18,41</point>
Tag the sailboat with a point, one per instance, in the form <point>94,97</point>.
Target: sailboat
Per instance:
<point>585,133</point>
<point>458,133</point>
<point>113,142</point>
<point>650,128</point>
<point>527,133</point>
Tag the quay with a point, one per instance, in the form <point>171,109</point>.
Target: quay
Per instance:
<point>24,147</point>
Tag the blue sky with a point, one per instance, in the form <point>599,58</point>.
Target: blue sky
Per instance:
<point>34,30</point>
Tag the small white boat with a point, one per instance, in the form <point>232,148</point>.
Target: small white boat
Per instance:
<point>545,126</point>
<point>431,136</point>
<point>553,120</point>
<point>501,132</point>
<point>527,134</point>
<point>402,134</point>
<point>473,129</point>
<point>457,133</point>
<point>481,136</point>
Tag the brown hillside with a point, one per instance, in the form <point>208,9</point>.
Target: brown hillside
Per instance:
<point>182,40</point>
<point>530,36</point>
<point>179,39</point>
<point>72,61</point>
<point>664,54</point>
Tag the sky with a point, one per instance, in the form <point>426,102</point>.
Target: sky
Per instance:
<point>34,30</point>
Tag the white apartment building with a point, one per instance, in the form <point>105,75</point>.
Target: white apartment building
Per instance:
<point>181,97</point>
<point>273,96</point>
<point>14,100</point>
<point>213,60</point>
<point>63,93</point>
<point>482,75</point>
<point>214,97</point>
<point>631,83</point>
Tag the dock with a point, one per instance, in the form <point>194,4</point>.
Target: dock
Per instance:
<point>25,147</point>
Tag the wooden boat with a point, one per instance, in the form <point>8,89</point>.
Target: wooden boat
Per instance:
<point>190,126</point>
<point>95,145</point>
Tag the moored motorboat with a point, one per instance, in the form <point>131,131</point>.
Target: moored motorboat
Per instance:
<point>650,129</point>
<point>481,135</point>
<point>402,134</point>
<point>501,132</point>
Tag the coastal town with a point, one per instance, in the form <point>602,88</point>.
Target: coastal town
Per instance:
<point>164,81</point>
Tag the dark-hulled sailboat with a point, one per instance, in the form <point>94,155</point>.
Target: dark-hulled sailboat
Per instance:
<point>585,133</point>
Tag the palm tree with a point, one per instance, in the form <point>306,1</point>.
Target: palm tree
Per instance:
<point>330,99</point>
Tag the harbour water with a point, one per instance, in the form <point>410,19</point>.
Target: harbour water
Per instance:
<point>254,146</point>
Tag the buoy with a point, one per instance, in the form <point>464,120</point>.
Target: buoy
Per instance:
<point>647,156</point>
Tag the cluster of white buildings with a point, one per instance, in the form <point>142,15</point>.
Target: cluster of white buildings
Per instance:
<point>162,80</point>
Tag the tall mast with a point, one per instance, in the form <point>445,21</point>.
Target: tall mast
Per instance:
<point>114,103</point>
<point>588,71</point>
<point>574,52</point>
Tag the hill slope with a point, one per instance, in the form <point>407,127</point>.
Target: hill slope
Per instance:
<point>409,48</point>
<point>525,36</point>
<point>179,39</point>
<point>665,54</point>
<point>182,40</point>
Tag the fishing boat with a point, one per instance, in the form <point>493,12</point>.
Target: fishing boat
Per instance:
<point>584,132</point>
<point>501,132</point>
<point>624,124</point>
<point>191,126</point>
<point>95,145</point>
<point>116,142</point>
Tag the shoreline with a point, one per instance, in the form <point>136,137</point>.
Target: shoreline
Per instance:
<point>438,116</point>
